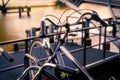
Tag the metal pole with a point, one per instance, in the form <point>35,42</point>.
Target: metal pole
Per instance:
<point>114,18</point>
<point>51,30</point>
<point>26,46</point>
<point>100,38</point>
<point>85,36</point>
<point>87,31</point>
<point>28,33</point>
<point>33,31</point>
<point>104,45</point>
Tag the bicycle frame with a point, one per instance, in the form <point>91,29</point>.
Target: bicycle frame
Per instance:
<point>57,54</point>
<point>60,50</point>
<point>63,50</point>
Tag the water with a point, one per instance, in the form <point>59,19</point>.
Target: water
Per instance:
<point>12,27</point>
<point>29,2</point>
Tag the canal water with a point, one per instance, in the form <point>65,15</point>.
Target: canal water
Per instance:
<point>12,27</point>
<point>29,2</point>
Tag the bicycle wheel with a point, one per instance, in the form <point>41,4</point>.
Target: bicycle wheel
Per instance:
<point>40,53</point>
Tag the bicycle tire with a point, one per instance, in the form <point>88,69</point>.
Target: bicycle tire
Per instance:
<point>40,53</point>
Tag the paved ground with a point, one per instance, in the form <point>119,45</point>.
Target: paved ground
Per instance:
<point>92,55</point>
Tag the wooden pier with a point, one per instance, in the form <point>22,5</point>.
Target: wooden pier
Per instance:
<point>20,9</point>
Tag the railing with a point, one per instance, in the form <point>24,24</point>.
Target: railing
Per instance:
<point>85,30</point>
<point>84,48</point>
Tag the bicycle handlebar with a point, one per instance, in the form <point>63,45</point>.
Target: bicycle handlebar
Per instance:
<point>6,55</point>
<point>94,16</point>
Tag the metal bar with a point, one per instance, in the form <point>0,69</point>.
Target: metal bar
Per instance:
<point>112,13</point>
<point>67,53</point>
<point>84,62</point>
<point>10,68</point>
<point>103,35</point>
<point>87,47</point>
<point>114,17</point>
<point>100,37</point>
<point>91,65</point>
<point>104,44</point>
<point>85,24</point>
<point>26,46</point>
<point>47,35</point>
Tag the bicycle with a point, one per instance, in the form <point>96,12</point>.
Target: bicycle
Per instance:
<point>53,62</point>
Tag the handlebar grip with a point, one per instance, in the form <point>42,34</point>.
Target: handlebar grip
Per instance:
<point>8,56</point>
<point>66,69</point>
